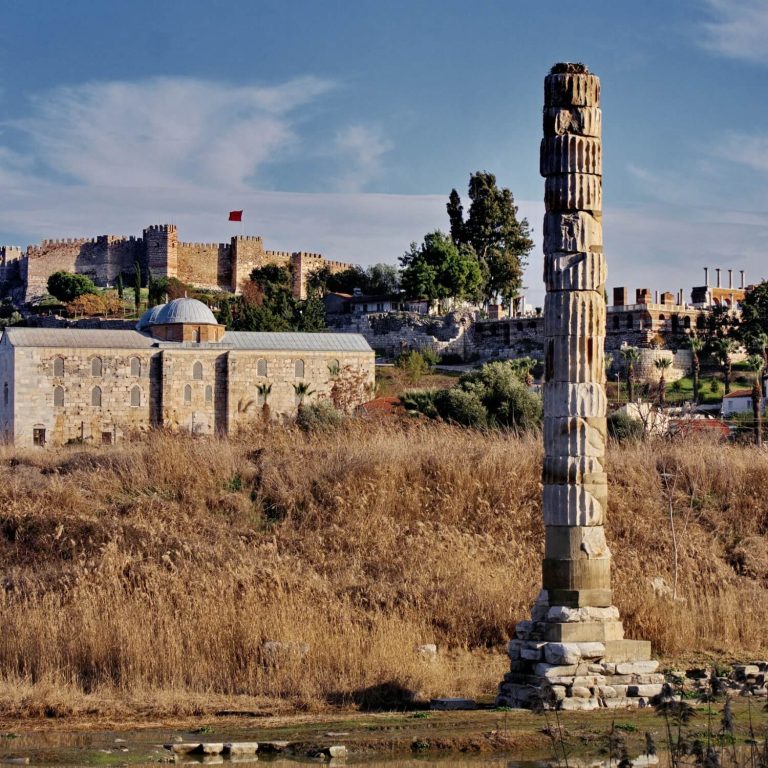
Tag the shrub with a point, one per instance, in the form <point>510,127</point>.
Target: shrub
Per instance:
<point>66,286</point>
<point>508,401</point>
<point>462,407</point>
<point>420,401</point>
<point>319,416</point>
<point>623,428</point>
<point>413,364</point>
<point>714,386</point>
<point>431,358</point>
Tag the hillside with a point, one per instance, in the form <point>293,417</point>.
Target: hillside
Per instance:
<point>149,576</point>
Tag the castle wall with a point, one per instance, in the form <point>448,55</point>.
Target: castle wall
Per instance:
<point>247,254</point>
<point>162,250</point>
<point>303,264</point>
<point>205,265</point>
<point>102,259</point>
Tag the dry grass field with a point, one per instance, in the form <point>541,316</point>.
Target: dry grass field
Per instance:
<point>150,574</point>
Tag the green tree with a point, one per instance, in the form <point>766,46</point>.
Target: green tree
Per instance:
<point>756,364</point>
<point>309,315</point>
<point>119,285</point>
<point>500,241</point>
<point>631,356</point>
<point>265,390</point>
<point>225,314</point>
<point>754,316</point>
<point>439,269</point>
<point>724,349</point>
<point>302,390</point>
<point>661,366</point>
<point>697,346</point>
<point>67,286</point>
<point>137,285</point>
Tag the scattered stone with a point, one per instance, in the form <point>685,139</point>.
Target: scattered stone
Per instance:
<point>273,747</point>
<point>241,748</point>
<point>427,651</point>
<point>185,748</point>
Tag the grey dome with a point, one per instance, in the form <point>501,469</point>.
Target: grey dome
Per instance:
<point>184,311</point>
<point>149,317</point>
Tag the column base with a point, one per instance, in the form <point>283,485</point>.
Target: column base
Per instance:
<point>577,659</point>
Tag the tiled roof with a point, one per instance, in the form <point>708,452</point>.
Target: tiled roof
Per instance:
<point>77,337</point>
<point>86,338</point>
<point>739,393</point>
<point>304,342</point>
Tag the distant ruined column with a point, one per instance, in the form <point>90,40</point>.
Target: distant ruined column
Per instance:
<point>572,654</point>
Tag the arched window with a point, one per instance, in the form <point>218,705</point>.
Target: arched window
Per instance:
<point>96,366</point>
<point>616,321</point>
<point>187,394</point>
<point>687,322</point>
<point>629,321</point>
<point>58,366</point>
<point>5,393</point>
<point>96,397</point>
<point>58,397</point>
<point>298,369</point>
<point>135,366</point>
<point>261,367</point>
<point>135,397</point>
<point>208,393</point>
<point>675,323</point>
<point>700,322</point>
<point>197,335</point>
<point>197,371</point>
<point>519,326</point>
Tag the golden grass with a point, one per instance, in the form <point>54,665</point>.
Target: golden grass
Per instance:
<point>156,570</point>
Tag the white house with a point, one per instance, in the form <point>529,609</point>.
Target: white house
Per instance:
<point>739,401</point>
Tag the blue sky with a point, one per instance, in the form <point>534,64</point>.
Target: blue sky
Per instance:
<point>341,127</point>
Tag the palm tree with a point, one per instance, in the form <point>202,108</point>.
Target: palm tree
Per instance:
<point>755,363</point>
<point>697,345</point>
<point>264,391</point>
<point>631,355</point>
<point>302,389</point>
<point>661,365</point>
<point>724,348</point>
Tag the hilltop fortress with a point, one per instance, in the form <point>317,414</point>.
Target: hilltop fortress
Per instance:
<point>160,253</point>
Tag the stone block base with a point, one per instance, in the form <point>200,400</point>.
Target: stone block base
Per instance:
<point>577,659</point>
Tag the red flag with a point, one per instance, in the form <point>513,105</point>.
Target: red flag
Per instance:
<point>235,215</point>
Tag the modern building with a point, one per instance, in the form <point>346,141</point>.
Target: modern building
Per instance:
<point>179,369</point>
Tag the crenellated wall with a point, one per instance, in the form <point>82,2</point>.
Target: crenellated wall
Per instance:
<point>215,266</point>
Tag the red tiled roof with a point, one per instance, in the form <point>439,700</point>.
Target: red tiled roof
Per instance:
<point>739,393</point>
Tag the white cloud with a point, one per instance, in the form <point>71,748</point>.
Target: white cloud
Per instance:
<point>163,131</point>
<point>738,29</point>
<point>364,147</point>
<point>749,149</point>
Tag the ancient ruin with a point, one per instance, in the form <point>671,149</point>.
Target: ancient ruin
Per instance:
<point>572,653</point>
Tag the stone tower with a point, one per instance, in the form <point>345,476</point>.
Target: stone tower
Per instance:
<point>572,654</point>
<point>162,246</point>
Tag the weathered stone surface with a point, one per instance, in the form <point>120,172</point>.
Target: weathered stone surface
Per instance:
<point>580,598</point>
<point>570,359</point>
<point>577,574</point>
<point>241,748</point>
<point>452,703</point>
<point>581,121</point>
<point>579,704</point>
<point>554,671</point>
<point>637,668</point>
<point>647,691</point>
<point>569,154</point>
<point>574,505</point>
<point>585,632</point>
<point>565,90</point>
<point>580,692</point>
<point>579,315</point>
<point>574,436</point>
<point>607,691</point>
<point>570,543</point>
<point>574,232</point>
<point>628,650</point>
<point>575,272</point>
<point>562,654</point>
<point>561,613</point>
<point>572,469</point>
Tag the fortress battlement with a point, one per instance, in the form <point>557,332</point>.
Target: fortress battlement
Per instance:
<point>222,266</point>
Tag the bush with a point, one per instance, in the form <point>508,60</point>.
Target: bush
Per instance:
<point>66,286</point>
<point>492,396</point>
<point>461,407</point>
<point>413,364</point>
<point>714,386</point>
<point>508,401</point>
<point>623,428</point>
<point>431,358</point>
<point>318,417</point>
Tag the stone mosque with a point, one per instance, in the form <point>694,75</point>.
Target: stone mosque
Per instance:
<point>178,369</point>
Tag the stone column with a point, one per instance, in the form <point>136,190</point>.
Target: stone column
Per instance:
<point>572,654</point>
